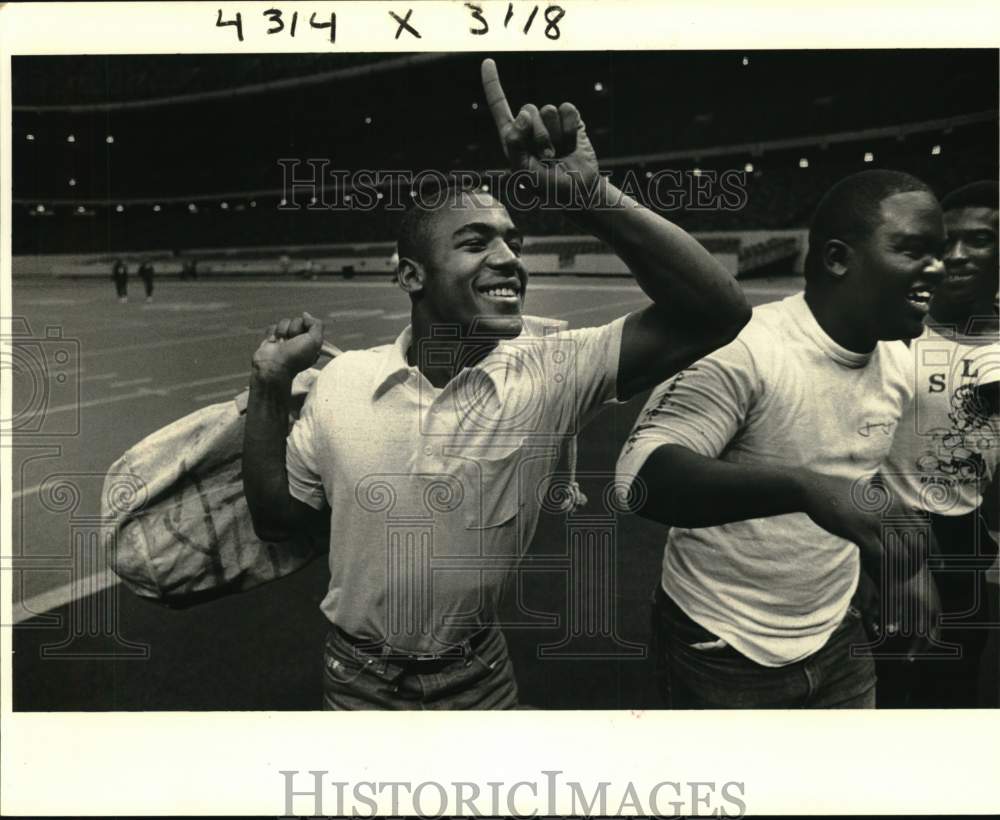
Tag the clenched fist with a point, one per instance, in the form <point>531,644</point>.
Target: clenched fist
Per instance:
<point>289,347</point>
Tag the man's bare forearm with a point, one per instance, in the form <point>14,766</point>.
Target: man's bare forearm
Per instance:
<point>671,266</point>
<point>685,489</point>
<point>265,478</point>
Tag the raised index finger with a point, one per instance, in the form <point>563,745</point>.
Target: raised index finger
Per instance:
<point>495,97</point>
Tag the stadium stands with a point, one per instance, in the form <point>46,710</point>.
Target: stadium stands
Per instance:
<point>159,162</point>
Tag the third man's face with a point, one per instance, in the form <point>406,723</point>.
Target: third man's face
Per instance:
<point>971,260</point>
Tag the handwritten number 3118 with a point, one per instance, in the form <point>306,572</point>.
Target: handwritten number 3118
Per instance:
<point>552,15</point>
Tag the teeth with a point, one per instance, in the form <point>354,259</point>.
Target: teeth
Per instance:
<point>501,292</point>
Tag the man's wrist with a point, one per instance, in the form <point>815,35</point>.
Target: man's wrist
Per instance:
<point>796,489</point>
<point>270,374</point>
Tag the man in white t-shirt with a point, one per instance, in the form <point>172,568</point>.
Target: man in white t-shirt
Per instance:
<point>428,458</point>
<point>758,456</point>
<point>944,460</point>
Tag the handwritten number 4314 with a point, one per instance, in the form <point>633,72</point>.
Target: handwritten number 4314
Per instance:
<point>275,17</point>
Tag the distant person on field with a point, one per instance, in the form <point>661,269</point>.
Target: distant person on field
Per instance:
<point>394,265</point>
<point>119,273</point>
<point>146,272</point>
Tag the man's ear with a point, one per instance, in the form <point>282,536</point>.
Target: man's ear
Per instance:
<point>411,275</point>
<point>836,257</point>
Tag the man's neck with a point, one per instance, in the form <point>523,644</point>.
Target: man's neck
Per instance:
<point>839,324</point>
<point>975,320</point>
<point>440,359</point>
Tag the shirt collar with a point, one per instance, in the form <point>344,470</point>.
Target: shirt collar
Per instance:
<point>394,360</point>
<point>802,314</point>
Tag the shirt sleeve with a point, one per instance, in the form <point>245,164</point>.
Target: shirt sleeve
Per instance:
<point>581,369</point>
<point>301,463</point>
<point>701,408</point>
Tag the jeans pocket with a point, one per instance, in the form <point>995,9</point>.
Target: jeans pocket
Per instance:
<point>339,663</point>
<point>491,655</point>
<point>694,636</point>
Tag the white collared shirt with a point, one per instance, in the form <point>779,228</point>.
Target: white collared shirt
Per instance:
<point>435,493</point>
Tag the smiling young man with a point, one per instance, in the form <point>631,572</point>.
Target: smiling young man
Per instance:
<point>428,457</point>
<point>757,457</point>
<point>945,455</point>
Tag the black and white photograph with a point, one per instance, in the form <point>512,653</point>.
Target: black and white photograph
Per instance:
<point>647,382</point>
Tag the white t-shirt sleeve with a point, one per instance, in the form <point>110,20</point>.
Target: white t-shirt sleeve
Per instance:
<point>701,408</point>
<point>304,480</point>
<point>580,368</point>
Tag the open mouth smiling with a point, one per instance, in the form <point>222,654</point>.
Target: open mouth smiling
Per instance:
<point>501,293</point>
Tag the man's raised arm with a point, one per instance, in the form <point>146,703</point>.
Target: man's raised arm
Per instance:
<point>697,306</point>
<point>289,347</point>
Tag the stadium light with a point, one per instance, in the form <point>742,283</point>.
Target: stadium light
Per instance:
<point>869,156</point>
<point>29,137</point>
<point>109,139</point>
<point>312,200</point>
<point>80,209</point>
<point>224,205</point>
<point>192,208</point>
<point>803,162</point>
<point>283,202</point>
<point>746,61</point>
<point>475,106</point>
<point>347,198</point>
<point>649,174</point>
<point>71,138</point>
<point>368,120</point>
<point>697,172</point>
<point>253,203</point>
<point>936,150</point>
<point>598,86</point>
<point>119,208</point>
<point>485,189</point>
<point>748,167</point>
<point>40,209</point>
<point>72,182</point>
<point>156,209</point>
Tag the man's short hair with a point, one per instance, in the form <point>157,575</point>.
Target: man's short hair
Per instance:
<point>418,221</point>
<point>982,194</point>
<point>852,209</point>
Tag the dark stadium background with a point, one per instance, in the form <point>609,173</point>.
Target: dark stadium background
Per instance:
<point>175,157</point>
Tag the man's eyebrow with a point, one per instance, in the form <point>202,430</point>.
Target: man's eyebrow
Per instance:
<point>485,229</point>
<point>912,236</point>
<point>963,229</point>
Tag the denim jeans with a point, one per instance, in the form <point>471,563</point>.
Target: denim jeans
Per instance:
<point>722,678</point>
<point>482,678</point>
<point>962,550</point>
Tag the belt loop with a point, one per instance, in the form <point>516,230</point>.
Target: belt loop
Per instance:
<point>383,661</point>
